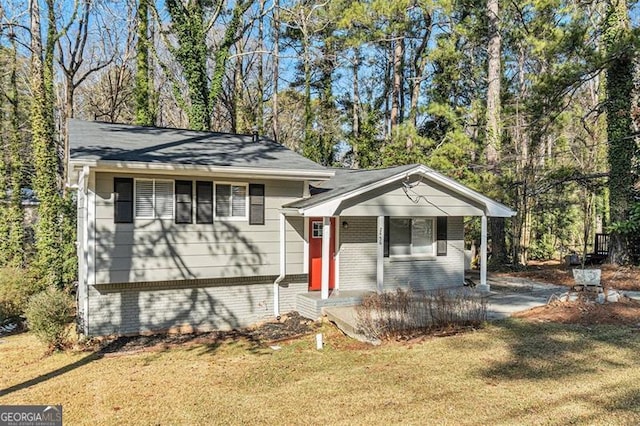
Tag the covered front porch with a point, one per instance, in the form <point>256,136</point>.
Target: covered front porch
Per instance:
<point>378,230</point>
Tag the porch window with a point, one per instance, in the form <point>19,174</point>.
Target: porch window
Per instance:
<point>154,199</point>
<point>411,236</point>
<point>231,201</point>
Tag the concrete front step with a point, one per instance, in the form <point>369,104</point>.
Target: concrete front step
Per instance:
<point>310,305</point>
<point>345,318</point>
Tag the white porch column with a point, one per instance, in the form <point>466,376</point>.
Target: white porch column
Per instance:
<point>326,254</point>
<point>380,257</point>
<point>483,287</point>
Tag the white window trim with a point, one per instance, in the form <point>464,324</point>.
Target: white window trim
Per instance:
<point>413,256</point>
<point>246,201</point>
<point>153,199</point>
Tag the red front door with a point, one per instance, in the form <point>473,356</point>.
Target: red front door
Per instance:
<point>315,253</point>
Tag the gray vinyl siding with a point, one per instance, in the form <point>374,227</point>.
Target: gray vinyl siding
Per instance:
<point>433,273</point>
<point>358,260</point>
<point>160,250</point>
<point>178,307</point>
<point>391,200</point>
<point>358,253</point>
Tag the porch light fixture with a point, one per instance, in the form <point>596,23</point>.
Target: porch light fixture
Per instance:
<point>345,225</point>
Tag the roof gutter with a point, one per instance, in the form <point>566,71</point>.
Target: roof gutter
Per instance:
<point>194,169</point>
<point>498,209</point>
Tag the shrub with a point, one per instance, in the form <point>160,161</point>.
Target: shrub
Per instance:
<point>403,312</point>
<point>48,315</point>
<point>16,287</point>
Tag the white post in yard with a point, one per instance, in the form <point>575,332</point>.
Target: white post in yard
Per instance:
<point>483,287</point>
<point>380,257</point>
<point>326,254</point>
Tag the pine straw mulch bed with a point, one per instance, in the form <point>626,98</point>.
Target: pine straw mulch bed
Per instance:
<point>554,272</point>
<point>290,326</point>
<point>585,311</point>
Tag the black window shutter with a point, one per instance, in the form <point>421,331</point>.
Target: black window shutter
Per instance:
<point>256,204</point>
<point>184,201</point>
<point>204,202</point>
<point>386,236</point>
<point>123,206</point>
<point>441,228</point>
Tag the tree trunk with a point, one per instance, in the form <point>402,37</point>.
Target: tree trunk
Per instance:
<point>259,121</point>
<point>493,89</point>
<point>356,108</point>
<point>222,54</point>
<point>396,93</point>
<point>15,214</point>
<point>143,113</point>
<point>498,245</point>
<point>618,107</point>
<point>308,149</point>
<point>276,69</point>
<point>236,99</point>
<point>44,147</point>
<point>419,68</point>
<point>387,91</point>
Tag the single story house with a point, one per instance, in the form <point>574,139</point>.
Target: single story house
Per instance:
<point>183,230</point>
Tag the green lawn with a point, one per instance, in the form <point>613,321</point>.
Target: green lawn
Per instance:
<point>512,372</point>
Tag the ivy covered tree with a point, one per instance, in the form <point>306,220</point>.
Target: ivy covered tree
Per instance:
<point>191,22</point>
<point>622,145</point>
<point>45,180</point>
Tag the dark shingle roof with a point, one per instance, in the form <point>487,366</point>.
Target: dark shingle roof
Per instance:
<point>345,181</point>
<point>90,140</point>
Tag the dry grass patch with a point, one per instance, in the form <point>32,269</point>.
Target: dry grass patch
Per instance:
<point>510,372</point>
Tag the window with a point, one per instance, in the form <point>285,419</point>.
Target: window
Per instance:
<point>316,229</point>
<point>184,203</point>
<point>204,202</point>
<point>256,204</point>
<point>154,198</point>
<point>123,207</point>
<point>411,236</point>
<point>231,201</point>
<point>442,236</point>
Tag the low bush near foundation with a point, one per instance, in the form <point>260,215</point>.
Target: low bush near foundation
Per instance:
<point>49,314</point>
<point>404,313</point>
<point>16,287</point>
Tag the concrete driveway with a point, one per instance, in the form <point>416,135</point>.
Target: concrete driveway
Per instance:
<point>509,295</point>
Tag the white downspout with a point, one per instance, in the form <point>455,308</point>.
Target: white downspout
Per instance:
<point>83,185</point>
<point>283,266</point>
<point>483,287</point>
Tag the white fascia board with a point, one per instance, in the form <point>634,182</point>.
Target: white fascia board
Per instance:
<point>194,170</point>
<point>492,208</point>
<point>290,212</point>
